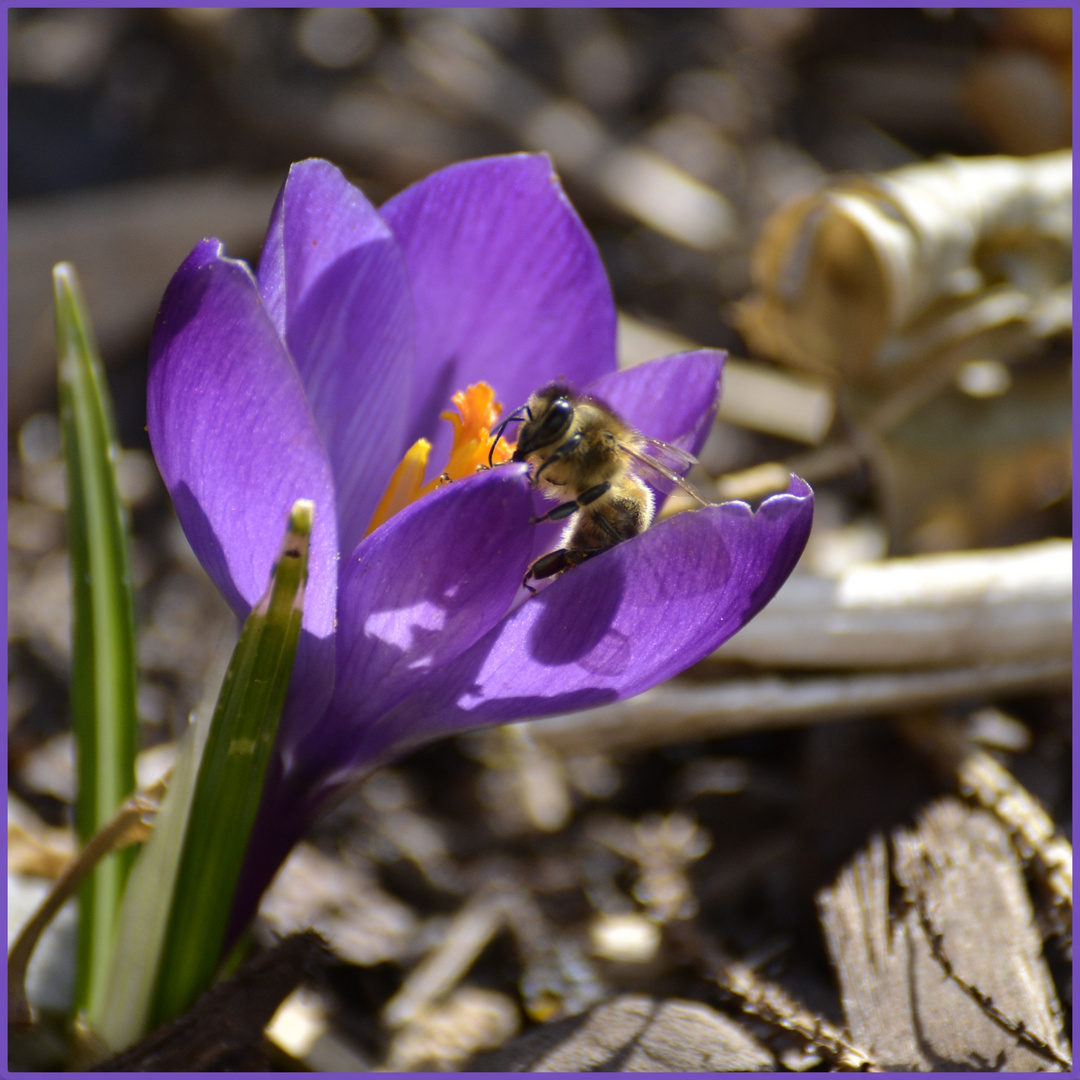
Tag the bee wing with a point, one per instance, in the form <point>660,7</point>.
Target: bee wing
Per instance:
<point>666,461</point>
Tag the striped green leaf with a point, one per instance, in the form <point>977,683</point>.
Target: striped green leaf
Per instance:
<point>103,673</point>
<point>175,916</point>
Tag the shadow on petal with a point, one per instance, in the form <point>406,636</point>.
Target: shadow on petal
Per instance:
<point>615,626</point>
<point>415,594</point>
<point>582,634</point>
<point>441,383</point>
<point>208,548</point>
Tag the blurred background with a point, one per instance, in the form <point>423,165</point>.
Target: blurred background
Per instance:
<point>679,135</point>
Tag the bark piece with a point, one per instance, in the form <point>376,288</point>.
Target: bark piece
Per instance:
<point>871,277</point>
<point>957,981</point>
<point>635,1033</point>
<point>223,1032</point>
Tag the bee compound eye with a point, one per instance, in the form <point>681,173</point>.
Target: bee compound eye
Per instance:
<point>557,419</point>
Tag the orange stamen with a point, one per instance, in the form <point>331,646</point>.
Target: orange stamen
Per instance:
<point>405,484</point>
<point>472,431</point>
<point>478,411</point>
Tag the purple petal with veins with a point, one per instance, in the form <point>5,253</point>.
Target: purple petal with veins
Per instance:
<point>223,398</point>
<point>334,276</point>
<point>621,622</point>
<point>419,592</point>
<point>507,283</point>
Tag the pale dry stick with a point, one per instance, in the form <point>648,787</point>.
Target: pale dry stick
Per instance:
<point>756,396</point>
<point>994,788</point>
<point>825,462</point>
<point>775,1006</point>
<point>1016,1028</point>
<point>129,825</point>
<point>465,938</point>
<point>680,712</point>
<point>986,608</point>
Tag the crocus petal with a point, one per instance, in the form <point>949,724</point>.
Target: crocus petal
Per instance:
<point>335,282</point>
<point>318,217</point>
<point>673,399</point>
<point>419,592</point>
<point>507,283</point>
<point>620,623</point>
<point>414,595</point>
<point>236,443</point>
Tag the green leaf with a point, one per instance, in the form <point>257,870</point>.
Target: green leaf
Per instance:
<point>103,673</point>
<point>175,916</point>
<point>123,1015</point>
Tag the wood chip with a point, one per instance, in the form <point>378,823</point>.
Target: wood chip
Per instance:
<point>957,981</point>
<point>447,1034</point>
<point>362,923</point>
<point>982,779</point>
<point>635,1033</point>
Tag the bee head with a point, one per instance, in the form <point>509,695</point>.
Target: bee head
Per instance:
<point>551,414</point>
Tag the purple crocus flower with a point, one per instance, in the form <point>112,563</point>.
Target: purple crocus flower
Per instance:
<point>311,379</point>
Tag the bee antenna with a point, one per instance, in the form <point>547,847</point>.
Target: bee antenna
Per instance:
<point>514,417</point>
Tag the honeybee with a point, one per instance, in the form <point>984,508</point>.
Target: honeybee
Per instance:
<point>581,452</point>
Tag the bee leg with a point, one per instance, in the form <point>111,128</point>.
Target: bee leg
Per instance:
<point>610,529</point>
<point>562,451</point>
<point>555,562</point>
<point>564,510</point>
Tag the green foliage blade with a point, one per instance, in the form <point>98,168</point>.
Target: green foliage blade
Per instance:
<point>123,1016</point>
<point>230,780</point>
<point>103,676</point>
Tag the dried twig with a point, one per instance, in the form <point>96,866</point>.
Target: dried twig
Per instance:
<point>129,825</point>
<point>680,712</point>
<point>982,779</point>
<point>774,1005</point>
